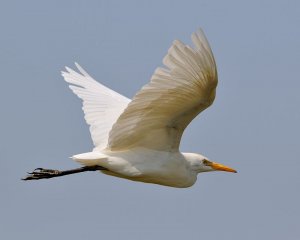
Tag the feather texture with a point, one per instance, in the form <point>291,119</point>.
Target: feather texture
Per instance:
<point>162,109</point>
<point>101,105</point>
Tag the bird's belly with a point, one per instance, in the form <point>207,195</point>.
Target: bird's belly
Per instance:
<point>164,177</point>
<point>171,181</point>
<point>156,179</point>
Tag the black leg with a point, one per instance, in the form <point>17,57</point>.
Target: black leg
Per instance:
<point>41,173</point>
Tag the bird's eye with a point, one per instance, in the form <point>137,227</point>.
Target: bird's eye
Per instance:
<point>206,162</point>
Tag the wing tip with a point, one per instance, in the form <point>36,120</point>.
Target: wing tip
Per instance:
<point>81,70</point>
<point>199,40</point>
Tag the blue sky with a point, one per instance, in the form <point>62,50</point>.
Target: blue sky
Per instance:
<point>253,125</point>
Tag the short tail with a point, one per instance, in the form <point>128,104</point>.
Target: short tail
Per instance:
<point>90,158</point>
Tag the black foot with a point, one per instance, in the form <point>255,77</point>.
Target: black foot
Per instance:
<point>40,173</point>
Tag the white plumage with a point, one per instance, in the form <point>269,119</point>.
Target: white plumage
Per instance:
<point>101,105</point>
<point>139,139</point>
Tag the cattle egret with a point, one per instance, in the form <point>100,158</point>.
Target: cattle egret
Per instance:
<point>139,139</point>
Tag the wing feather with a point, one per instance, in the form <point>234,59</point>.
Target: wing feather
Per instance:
<point>101,105</point>
<point>175,95</point>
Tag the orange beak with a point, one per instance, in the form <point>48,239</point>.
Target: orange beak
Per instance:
<point>220,167</point>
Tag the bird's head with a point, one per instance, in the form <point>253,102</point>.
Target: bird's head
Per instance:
<point>200,164</point>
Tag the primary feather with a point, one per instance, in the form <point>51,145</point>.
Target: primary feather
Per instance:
<point>162,109</point>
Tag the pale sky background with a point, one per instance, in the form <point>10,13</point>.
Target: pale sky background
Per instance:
<point>253,125</point>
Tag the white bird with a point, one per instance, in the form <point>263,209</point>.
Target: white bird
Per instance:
<point>139,139</point>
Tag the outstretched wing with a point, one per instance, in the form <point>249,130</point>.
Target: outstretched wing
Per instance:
<point>101,105</point>
<point>162,109</point>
